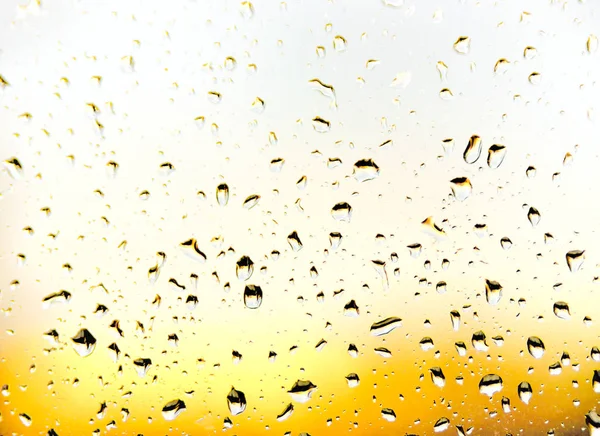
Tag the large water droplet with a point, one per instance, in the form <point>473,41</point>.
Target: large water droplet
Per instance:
<point>536,347</point>
<point>525,392</point>
<point>302,391</point>
<point>388,414</point>
<point>473,150</point>
<point>461,188</point>
<point>575,259</point>
<point>244,268</point>
<point>173,409</point>
<point>222,194</point>
<point>287,412</point>
<point>493,291</point>
<point>365,169</point>
<point>236,401</point>
<point>84,343</point>
<point>342,212</point>
<point>385,326</point>
<point>496,154</point>
<point>462,44</point>
<point>294,241</point>
<point>490,384</point>
<point>437,376</point>
<point>253,296</point>
<point>561,310</point>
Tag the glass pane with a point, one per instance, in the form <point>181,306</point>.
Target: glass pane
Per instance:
<point>318,217</point>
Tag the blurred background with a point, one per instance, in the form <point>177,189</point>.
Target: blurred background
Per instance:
<point>416,149</point>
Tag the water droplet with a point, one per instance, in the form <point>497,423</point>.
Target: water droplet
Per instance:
<point>287,412</point>
<point>443,70</point>
<point>325,90</point>
<point>388,414</point>
<point>490,384</point>
<point>342,212</point>
<point>441,425</point>
<point>402,80</point>
<point>478,340</point>
<point>353,351</point>
<point>351,309</point>
<point>446,94</point>
<point>496,154</point>
<point>258,105</point>
<point>320,125</point>
<point>372,63</point>
<point>461,188</point>
<point>462,45</point>
<point>415,250</point>
<point>294,241</point>
<point>222,194</point>
<point>230,63</point>
<point>473,150</point>
<point>383,352</point>
<point>353,380</point>
<point>592,44</point>
<point>493,292</point>
<point>536,347</point>
<point>437,376</point>
<point>251,201</point>
<point>84,343</point>
<point>247,10</point>
<point>142,365</point>
<point>56,298</point>
<point>244,268</point>
<point>575,259</point>
<point>501,66</point>
<point>365,170</point>
<point>455,319</point>
<point>592,419</point>
<point>214,97</point>
<point>535,78</point>
<point>340,44</point>
<point>529,52</point>
<point>533,215</point>
<point>173,409</point>
<point>25,419</point>
<point>525,392</point>
<point>253,296</point>
<point>321,51</point>
<point>14,168</point>
<point>561,310</point>
<point>236,402</point>
<point>385,326</point>
<point>335,239</point>
<point>302,391</point>
<point>191,250</point>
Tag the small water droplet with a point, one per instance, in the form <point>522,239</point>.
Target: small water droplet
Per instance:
<point>173,409</point>
<point>461,188</point>
<point>496,154</point>
<point>575,259</point>
<point>340,44</point>
<point>561,310</point>
<point>84,343</point>
<point>533,215</point>
<point>222,194</point>
<point>493,292</point>
<point>320,125</point>
<point>529,52</point>
<point>592,44</point>
<point>536,347</point>
<point>525,392</point>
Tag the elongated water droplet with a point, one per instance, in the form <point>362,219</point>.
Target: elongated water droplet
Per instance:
<point>385,326</point>
<point>496,154</point>
<point>286,413</point>
<point>294,241</point>
<point>493,291</point>
<point>437,376</point>
<point>335,239</point>
<point>533,215</point>
<point>441,425</point>
<point>222,194</point>
<point>473,150</point>
<point>455,319</point>
<point>253,296</point>
<point>325,90</point>
<point>596,381</point>
<point>56,298</point>
<point>536,347</point>
<point>592,44</point>
<point>173,409</point>
<point>14,168</point>
<point>443,70</point>
<point>244,268</point>
<point>478,340</point>
<point>525,392</point>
